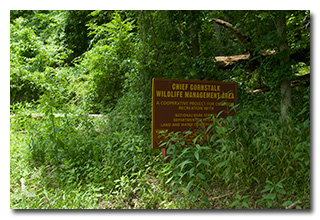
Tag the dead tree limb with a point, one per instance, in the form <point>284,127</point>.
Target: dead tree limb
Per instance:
<point>234,30</point>
<point>225,61</point>
<point>229,61</point>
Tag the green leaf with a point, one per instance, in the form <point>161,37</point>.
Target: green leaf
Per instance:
<point>269,203</point>
<point>196,154</point>
<point>286,203</point>
<point>280,183</point>
<point>245,204</point>
<point>168,181</point>
<point>205,200</point>
<point>297,155</point>
<point>201,176</point>
<point>184,163</point>
<point>268,188</point>
<point>205,185</point>
<point>222,164</point>
<point>219,114</point>
<point>282,191</point>
<point>269,182</point>
<point>196,138</point>
<point>209,127</point>
<point>196,192</point>
<point>234,203</point>
<point>191,172</point>
<point>185,150</point>
<point>198,146</point>
<point>189,185</point>
<point>205,162</point>
<point>213,137</point>
<point>178,198</point>
<point>269,196</point>
<point>181,175</point>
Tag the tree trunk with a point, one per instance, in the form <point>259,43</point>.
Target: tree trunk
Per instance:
<point>286,98</point>
<point>195,43</point>
<point>194,36</point>
<point>284,59</point>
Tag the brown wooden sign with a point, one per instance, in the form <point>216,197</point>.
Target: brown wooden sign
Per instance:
<point>182,105</point>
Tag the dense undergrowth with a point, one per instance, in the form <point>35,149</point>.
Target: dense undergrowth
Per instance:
<point>253,160</point>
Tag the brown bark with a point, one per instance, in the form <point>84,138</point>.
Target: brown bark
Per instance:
<point>194,39</point>
<point>195,44</point>
<point>286,98</point>
<point>285,58</point>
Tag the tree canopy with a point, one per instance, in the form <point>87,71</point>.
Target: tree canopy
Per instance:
<point>101,49</point>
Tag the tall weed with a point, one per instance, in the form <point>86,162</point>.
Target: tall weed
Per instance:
<point>247,150</point>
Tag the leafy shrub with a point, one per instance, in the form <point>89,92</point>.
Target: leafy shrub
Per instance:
<point>108,62</point>
<point>33,58</point>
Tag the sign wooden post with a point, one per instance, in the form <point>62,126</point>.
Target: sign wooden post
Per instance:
<point>163,152</point>
<point>182,105</point>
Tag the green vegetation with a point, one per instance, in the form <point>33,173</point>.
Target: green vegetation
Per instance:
<point>75,63</point>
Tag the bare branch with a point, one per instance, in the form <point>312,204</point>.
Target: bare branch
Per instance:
<point>235,31</point>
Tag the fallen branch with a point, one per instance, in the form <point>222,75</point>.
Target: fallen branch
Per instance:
<point>263,90</point>
<point>230,61</point>
<point>300,80</point>
<point>225,61</point>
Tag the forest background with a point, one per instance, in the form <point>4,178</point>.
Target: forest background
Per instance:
<point>158,48</point>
